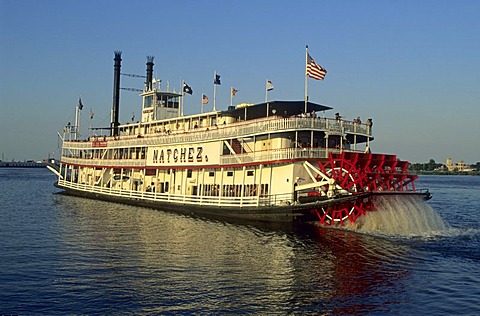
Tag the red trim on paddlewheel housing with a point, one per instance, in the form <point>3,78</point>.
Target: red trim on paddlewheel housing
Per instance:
<point>359,173</point>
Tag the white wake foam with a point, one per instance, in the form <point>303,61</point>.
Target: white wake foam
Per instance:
<point>407,216</point>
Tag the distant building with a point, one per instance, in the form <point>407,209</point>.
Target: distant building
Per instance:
<point>459,166</point>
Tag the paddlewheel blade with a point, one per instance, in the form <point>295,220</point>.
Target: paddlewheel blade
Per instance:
<point>344,212</point>
<point>357,173</point>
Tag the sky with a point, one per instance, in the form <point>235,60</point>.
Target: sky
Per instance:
<point>411,66</point>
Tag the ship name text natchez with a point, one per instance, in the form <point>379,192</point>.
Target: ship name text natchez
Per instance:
<point>271,161</point>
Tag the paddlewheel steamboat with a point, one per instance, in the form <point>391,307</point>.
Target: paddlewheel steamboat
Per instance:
<point>271,161</point>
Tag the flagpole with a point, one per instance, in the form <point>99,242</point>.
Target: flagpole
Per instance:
<point>214,91</point>
<point>90,133</point>
<point>231,96</point>
<point>202,101</point>
<point>266,97</point>
<point>180,110</point>
<point>77,118</point>
<point>266,91</point>
<point>306,78</point>
<point>76,121</point>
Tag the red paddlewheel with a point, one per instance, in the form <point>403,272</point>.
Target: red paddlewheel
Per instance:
<point>339,214</point>
<point>357,173</point>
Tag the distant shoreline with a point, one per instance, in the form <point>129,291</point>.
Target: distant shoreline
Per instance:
<point>21,164</point>
<point>447,173</point>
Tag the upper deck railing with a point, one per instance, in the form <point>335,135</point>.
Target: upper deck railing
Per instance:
<point>277,155</point>
<point>238,129</point>
<point>281,154</point>
<point>94,162</point>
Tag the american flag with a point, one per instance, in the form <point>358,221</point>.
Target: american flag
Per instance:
<point>314,70</point>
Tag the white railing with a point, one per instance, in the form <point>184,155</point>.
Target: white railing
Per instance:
<point>239,129</point>
<point>104,162</point>
<point>217,201</point>
<point>277,154</point>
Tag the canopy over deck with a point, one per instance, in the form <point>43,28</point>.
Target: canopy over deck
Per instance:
<point>281,108</point>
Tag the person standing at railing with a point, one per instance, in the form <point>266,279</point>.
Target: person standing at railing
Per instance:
<point>369,124</point>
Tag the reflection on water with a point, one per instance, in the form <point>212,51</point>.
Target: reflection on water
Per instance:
<point>149,261</point>
<point>65,255</point>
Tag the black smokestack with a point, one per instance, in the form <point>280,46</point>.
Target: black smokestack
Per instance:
<point>149,72</point>
<point>116,94</point>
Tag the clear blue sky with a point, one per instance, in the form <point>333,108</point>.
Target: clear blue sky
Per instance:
<point>412,66</point>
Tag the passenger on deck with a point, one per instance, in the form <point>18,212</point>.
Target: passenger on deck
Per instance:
<point>369,124</point>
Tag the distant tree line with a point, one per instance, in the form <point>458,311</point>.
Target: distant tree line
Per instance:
<point>432,167</point>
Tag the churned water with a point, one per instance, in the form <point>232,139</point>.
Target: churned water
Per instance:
<point>402,216</point>
<point>66,255</point>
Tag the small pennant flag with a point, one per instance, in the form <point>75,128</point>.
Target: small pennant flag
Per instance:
<point>204,99</point>
<point>314,70</point>
<point>234,91</point>
<point>80,104</point>
<point>269,85</point>
<point>216,79</point>
<point>91,114</point>
<point>187,89</point>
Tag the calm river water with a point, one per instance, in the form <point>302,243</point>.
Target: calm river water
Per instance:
<point>66,255</point>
